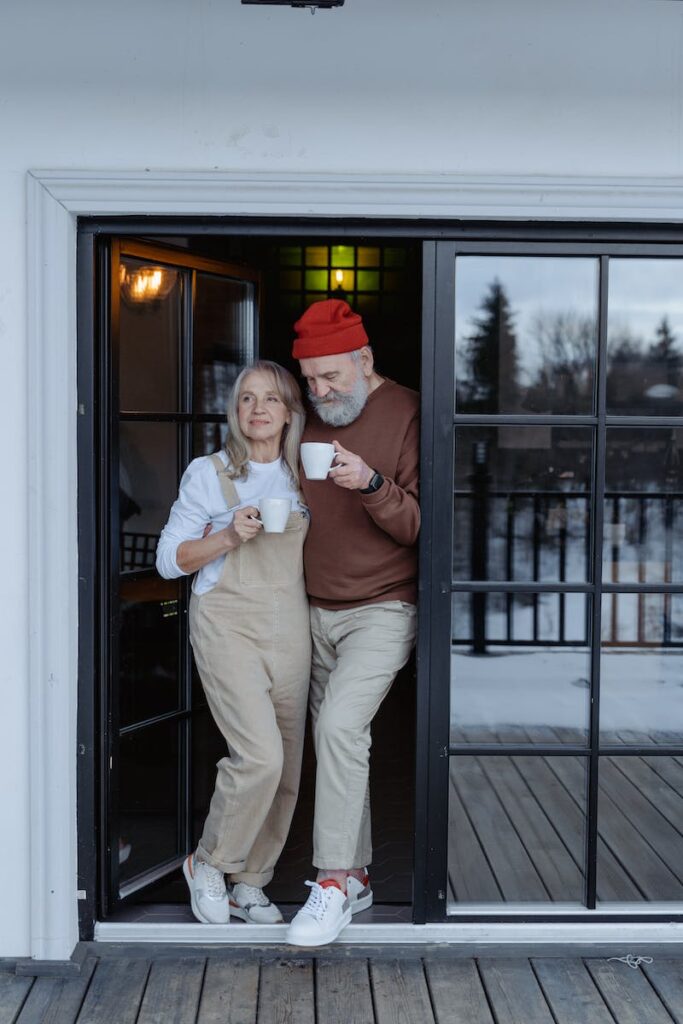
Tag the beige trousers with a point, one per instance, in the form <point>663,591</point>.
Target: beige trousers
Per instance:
<point>251,642</point>
<point>356,655</point>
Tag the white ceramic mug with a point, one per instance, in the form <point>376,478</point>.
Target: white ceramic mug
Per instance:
<point>317,457</point>
<point>275,513</point>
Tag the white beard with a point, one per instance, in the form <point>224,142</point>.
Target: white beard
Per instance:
<point>344,408</point>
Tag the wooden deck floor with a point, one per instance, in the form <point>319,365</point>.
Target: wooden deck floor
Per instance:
<point>517,825</point>
<point>348,989</point>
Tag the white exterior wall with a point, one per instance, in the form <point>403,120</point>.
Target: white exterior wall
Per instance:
<point>417,87</point>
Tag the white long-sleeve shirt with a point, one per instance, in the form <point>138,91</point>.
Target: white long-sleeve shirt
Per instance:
<point>200,501</point>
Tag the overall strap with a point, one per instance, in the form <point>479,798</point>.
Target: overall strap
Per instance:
<point>227,485</point>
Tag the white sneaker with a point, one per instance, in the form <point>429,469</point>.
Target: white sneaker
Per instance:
<point>250,903</point>
<point>208,895</point>
<point>359,893</point>
<point>324,915</point>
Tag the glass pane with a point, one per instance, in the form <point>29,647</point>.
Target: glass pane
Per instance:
<point>208,438</point>
<point>516,830</point>
<point>366,304</point>
<point>645,337</point>
<point>368,280</point>
<point>148,485</point>
<point>394,257</point>
<point>208,747</point>
<point>290,255</point>
<point>223,338</point>
<point>522,503</point>
<point>316,256</point>
<point>317,279</point>
<point>641,669</point>
<point>520,668</point>
<point>149,797</point>
<point>643,506</point>
<point>290,279</point>
<point>526,334</point>
<point>343,279</point>
<point>368,256</point>
<point>149,648</point>
<point>393,280</point>
<point>342,255</point>
<point>640,810</point>
<point>150,321</point>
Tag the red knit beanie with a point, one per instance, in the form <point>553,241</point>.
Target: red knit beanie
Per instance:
<point>328,328</point>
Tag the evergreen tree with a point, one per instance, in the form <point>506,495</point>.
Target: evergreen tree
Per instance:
<point>664,352</point>
<point>491,383</point>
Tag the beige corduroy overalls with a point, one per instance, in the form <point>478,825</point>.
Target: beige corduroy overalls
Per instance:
<point>251,641</point>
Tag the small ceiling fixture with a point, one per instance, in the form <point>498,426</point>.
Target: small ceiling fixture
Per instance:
<point>311,4</point>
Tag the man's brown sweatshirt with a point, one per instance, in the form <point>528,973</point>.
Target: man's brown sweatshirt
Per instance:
<point>361,547</point>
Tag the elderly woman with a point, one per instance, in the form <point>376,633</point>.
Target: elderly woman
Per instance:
<point>250,636</point>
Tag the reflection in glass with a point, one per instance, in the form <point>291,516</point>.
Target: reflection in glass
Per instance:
<point>148,813</point>
<point>641,669</point>
<point>148,484</point>
<point>208,438</point>
<point>223,338</point>
<point>643,506</point>
<point>149,345</point>
<point>520,663</point>
<point>149,648</point>
<point>645,337</point>
<point>640,810</point>
<point>526,334</point>
<point>522,503</point>
<point>516,830</point>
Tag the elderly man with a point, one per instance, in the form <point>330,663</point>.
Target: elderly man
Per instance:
<point>360,562</point>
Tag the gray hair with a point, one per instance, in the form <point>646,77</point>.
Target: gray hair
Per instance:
<point>237,445</point>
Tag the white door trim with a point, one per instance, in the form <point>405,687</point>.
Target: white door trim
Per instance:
<point>55,198</point>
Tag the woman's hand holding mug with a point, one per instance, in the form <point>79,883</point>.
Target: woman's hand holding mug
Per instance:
<point>245,525</point>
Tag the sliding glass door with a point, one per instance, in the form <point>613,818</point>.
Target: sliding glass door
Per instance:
<point>556,589</point>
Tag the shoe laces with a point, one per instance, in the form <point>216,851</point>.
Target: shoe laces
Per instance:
<point>318,900</point>
<point>214,879</point>
<point>252,894</point>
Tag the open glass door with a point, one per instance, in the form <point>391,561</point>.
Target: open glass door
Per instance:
<point>179,328</point>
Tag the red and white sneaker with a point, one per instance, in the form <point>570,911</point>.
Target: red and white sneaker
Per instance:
<point>324,915</point>
<point>359,893</point>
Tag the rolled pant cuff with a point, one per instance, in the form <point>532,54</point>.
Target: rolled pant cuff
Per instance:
<point>338,864</point>
<point>228,867</point>
<point>260,880</point>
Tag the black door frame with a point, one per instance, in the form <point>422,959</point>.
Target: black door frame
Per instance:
<point>432,749</point>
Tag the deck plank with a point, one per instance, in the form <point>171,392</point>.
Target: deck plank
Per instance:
<point>400,992</point>
<point>286,992</point>
<point>571,992</point>
<point>173,991</point>
<point>470,877</point>
<point>13,993</point>
<point>666,977</point>
<point>457,993</point>
<point>57,1000</point>
<point>342,992</point>
<point>514,993</point>
<point>526,810</point>
<point>628,993</point>
<point>115,992</point>
<point>230,992</point>
<point>646,815</point>
<point>513,869</point>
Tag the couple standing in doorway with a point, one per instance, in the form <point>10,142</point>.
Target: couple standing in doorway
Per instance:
<point>348,550</point>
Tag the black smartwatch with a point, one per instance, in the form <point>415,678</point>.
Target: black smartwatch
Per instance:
<point>376,482</point>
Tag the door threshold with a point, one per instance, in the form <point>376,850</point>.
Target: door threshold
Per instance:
<point>608,937</point>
